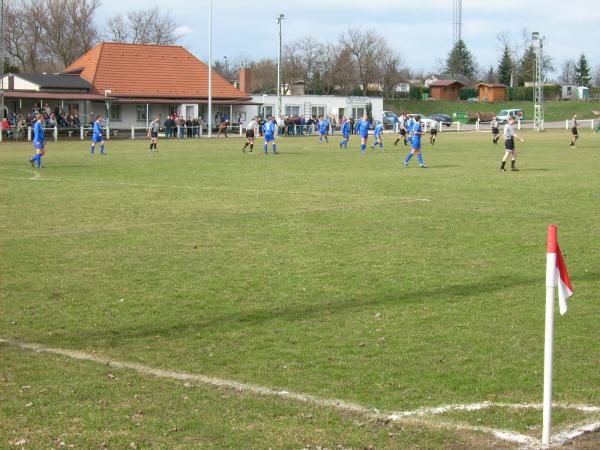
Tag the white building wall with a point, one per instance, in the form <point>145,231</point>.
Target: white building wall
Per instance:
<point>308,105</point>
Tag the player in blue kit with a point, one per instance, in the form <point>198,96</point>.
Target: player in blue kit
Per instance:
<point>97,136</point>
<point>345,134</point>
<point>362,129</point>
<point>39,143</point>
<point>323,129</point>
<point>377,134</point>
<point>269,129</point>
<point>416,144</point>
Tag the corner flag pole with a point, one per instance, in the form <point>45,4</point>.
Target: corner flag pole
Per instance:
<point>210,69</point>
<point>551,283</point>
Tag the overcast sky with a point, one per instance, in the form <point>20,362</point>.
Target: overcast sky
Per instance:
<point>421,31</point>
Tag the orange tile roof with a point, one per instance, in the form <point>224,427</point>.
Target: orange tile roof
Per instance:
<point>133,70</point>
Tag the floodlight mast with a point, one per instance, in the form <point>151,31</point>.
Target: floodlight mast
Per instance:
<point>279,21</point>
<point>457,21</point>
<point>538,107</point>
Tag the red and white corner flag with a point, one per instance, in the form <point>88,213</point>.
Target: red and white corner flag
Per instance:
<point>556,271</point>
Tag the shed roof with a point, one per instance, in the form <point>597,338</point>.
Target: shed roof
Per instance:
<point>446,83</point>
<point>55,81</point>
<point>495,85</point>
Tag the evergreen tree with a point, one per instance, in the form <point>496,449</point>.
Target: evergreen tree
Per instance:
<point>527,65</point>
<point>505,67</point>
<point>460,61</point>
<point>582,72</point>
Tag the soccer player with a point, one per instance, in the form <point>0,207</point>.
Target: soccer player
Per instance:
<point>377,135</point>
<point>509,145</point>
<point>416,131</point>
<point>39,143</point>
<point>250,134</point>
<point>402,130</point>
<point>433,132</point>
<point>269,129</point>
<point>345,133</point>
<point>362,129</point>
<point>97,135</point>
<point>574,126</point>
<point>495,131</point>
<point>323,129</point>
<point>153,133</point>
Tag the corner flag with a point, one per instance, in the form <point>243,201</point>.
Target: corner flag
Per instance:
<point>556,270</point>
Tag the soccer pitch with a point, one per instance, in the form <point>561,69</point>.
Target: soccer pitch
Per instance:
<point>318,271</point>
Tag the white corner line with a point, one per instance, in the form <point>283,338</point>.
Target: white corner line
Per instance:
<point>417,415</point>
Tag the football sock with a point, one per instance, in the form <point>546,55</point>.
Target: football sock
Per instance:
<point>38,159</point>
<point>420,158</point>
<point>397,140</point>
<point>408,157</point>
<point>251,147</point>
<point>381,145</point>
<point>266,148</point>
<point>363,147</point>
<point>101,148</point>
<point>512,163</point>
<point>92,150</point>
<point>503,165</point>
<point>274,148</point>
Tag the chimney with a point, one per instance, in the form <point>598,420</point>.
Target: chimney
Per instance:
<point>246,81</point>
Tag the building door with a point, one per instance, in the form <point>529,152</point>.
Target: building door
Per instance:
<point>189,111</point>
<point>342,113</point>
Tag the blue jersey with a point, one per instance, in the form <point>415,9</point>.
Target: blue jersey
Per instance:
<point>269,129</point>
<point>323,126</point>
<point>416,130</point>
<point>346,128</point>
<point>410,124</point>
<point>97,128</point>
<point>38,132</point>
<point>363,128</point>
<point>378,130</point>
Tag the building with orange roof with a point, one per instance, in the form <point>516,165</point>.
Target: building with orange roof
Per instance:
<point>132,84</point>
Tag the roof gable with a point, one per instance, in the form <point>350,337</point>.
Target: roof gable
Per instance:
<point>131,70</point>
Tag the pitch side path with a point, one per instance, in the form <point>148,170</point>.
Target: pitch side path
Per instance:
<point>318,271</point>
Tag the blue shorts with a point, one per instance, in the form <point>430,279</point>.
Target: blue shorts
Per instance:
<point>346,135</point>
<point>269,137</point>
<point>416,144</point>
<point>38,145</point>
<point>97,138</point>
<point>365,136</point>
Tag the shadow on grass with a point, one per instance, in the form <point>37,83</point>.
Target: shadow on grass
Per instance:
<point>295,312</point>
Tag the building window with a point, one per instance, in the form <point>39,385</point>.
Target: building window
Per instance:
<point>172,110</point>
<point>358,112</point>
<point>292,110</point>
<point>317,111</point>
<point>140,113</point>
<point>267,111</point>
<point>115,113</point>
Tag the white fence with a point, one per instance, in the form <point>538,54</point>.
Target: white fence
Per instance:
<point>581,123</point>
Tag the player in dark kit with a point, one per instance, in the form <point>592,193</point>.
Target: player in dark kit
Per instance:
<point>250,135</point>
<point>574,130</point>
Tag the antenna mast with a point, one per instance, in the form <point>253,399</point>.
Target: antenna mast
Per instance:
<point>457,21</point>
<point>538,108</point>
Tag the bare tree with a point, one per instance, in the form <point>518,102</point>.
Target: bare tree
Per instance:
<point>391,70</point>
<point>567,72</point>
<point>264,76</point>
<point>27,52</point>
<point>596,80</point>
<point>144,26</point>
<point>366,48</point>
<point>305,60</point>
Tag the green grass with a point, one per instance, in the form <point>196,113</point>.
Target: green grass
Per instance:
<point>317,270</point>
<point>554,111</point>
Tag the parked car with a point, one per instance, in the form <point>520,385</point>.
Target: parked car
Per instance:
<point>442,118</point>
<point>426,121</point>
<point>502,116</point>
<point>389,118</point>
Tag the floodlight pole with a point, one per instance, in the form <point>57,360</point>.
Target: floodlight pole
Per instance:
<point>538,108</point>
<point>210,69</point>
<point>279,21</point>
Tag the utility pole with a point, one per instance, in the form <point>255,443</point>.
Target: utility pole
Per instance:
<point>2,59</point>
<point>210,124</point>
<point>457,21</point>
<point>538,108</point>
<point>279,21</point>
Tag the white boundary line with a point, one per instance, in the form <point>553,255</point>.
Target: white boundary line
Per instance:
<point>415,416</point>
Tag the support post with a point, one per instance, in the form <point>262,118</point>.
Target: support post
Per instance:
<point>81,132</point>
<point>29,134</point>
<point>55,132</point>
<point>107,133</point>
<point>132,132</point>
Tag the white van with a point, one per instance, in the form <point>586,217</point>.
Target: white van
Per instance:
<point>502,116</point>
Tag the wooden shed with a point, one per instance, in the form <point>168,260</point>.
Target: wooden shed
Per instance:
<point>446,89</point>
<point>492,92</point>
